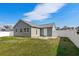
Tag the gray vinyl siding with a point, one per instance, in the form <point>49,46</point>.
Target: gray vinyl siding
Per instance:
<point>22,25</point>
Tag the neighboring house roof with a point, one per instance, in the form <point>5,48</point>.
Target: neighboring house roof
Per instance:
<point>40,26</point>
<point>3,28</point>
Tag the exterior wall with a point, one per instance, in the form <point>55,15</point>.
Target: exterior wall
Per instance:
<point>33,32</point>
<point>6,33</point>
<point>22,25</point>
<point>54,32</point>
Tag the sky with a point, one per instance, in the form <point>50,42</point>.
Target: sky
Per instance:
<point>62,14</point>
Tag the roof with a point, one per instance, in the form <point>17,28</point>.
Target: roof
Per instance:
<point>47,25</point>
<point>2,27</point>
<point>30,23</point>
<point>40,26</point>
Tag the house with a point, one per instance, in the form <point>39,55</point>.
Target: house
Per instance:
<point>67,28</point>
<point>27,29</point>
<point>6,27</point>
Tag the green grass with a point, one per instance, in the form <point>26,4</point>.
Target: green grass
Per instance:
<point>19,46</point>
<point>67,48</point>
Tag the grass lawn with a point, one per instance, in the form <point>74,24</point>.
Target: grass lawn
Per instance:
<point>18,46</point>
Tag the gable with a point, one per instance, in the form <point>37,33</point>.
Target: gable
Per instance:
<point>21,23</point>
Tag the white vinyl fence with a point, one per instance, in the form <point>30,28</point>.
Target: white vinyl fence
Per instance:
<point>71,34</point>
<point>6,33</point>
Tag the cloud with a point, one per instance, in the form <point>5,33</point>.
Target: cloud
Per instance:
<point>43,11</point>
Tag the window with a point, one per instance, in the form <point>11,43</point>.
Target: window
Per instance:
<point>27,29</point>
<point>16,30</point>
<point>20,30</point>
<point>24,29</point>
